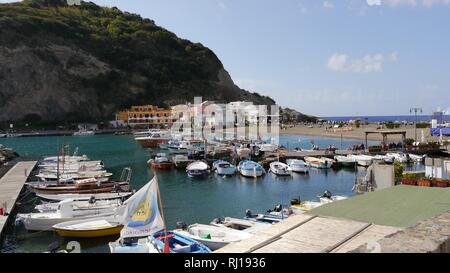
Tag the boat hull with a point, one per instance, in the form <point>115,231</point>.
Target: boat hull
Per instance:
<point>162,166</point>
<point>106,232</point>
<point>152,143</point>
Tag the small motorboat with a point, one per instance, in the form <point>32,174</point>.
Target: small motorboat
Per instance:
<point>160,162</point>
<point>222,167</point>
<point>273,216</point>
<point>130,245</point>
<point>250,169</point>
<point>90,228</point>
<point>177,242</point>
<point>84,196</point>
<point>362,160</point>
<point>318,163</point>
<point>298,166</point>
<point>345,161</point>
<point>281,169</point>
<point>67,211</point>
<point>212,236</point>
<point>306,206</point>
<point>417,158</point>
<point>248,226</point>
<point>197,169</point>
<point>181,161</point>
<point>328,197</point>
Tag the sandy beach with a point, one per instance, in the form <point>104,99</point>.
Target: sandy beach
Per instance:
<point>356,133</point>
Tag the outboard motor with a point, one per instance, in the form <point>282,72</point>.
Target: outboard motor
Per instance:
<point>248,213</point>
<point>295,201</point>
<point>327,194</point>
<point>92,200</point>
<point>278,208</point>
<point>217,221</point>
<point>182,225</point>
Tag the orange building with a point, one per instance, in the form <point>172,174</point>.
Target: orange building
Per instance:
<point>147,116</point>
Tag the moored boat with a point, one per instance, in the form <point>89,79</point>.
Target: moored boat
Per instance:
<point>177,243</point>
<point>250,169</point>
<point>84,196</point>
<point>345,161</point>
<point>318,163</point>
<point>88,186</point>
<point>281,169</point>
<point>181,161</point>
<point>197,169</point>
<point>212,236</point>
<point>90,228</point>
<point>362,160</point>
<point>298,166</point>
<point>161,161</point>
<point>222,167</point>
<point>153,139</point>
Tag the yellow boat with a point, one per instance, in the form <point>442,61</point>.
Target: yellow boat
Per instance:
<point>92,228</point>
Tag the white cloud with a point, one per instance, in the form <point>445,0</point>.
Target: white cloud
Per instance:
<point>222,5</point>
<point>374,2</point>
<point>328,5</point>
<point>366,64</point>
<point>393,56</point>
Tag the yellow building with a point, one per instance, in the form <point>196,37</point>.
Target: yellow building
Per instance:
<point>147,116</point>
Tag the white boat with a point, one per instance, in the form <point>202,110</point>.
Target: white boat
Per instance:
<point>251,227</point>
<point>84,133</point>
<point>67,159</point>
<point>345,161</point>
<point>212,236</point>
<point>267,147</point>
<point>327,197</point>
<point>102,176</point>
<point>298,166</point>
<point>417,158</point>
<point>318,163</point>
<point>154,139</point>
<point>400,157</point>
<point>222,167</point>
<point>250,169</point>
<point>362,160</point>
<point>67,212</point>
<point>84,197</point>
<point>279,168</point>
<point>243,152</point>
<point>80,205</point>
<point>104,226</point>
<point>305,207</point>
<point>197,169</point>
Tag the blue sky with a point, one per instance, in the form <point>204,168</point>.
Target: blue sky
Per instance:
<point>327,58</point>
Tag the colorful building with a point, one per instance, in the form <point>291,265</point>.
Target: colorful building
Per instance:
<point>147,116</point>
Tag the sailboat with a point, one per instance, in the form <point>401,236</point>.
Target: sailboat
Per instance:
<point>145,230</point>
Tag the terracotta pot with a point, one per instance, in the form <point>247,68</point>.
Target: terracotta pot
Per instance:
<point>424,183</point>
<point>440,183</point>
<point>409,181</point>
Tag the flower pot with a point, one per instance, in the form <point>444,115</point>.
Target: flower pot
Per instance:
<point>424,183</point>
<point>409,181</point>
<point>440,183</point>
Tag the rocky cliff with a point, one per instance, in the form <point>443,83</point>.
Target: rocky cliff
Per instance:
<point>84,63</point>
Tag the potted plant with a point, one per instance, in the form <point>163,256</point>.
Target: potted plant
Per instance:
<point>439,183</point>
<point>424,182</point>
<point>409,179</point>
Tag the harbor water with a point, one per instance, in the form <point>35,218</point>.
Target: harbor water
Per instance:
<point>184,199</point>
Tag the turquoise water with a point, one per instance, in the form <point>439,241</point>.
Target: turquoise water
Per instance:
<point>184,199</point>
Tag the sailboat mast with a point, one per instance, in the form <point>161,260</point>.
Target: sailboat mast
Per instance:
<point>161,209</point>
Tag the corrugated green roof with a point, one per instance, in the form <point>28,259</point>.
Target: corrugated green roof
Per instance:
<point>400,206</point>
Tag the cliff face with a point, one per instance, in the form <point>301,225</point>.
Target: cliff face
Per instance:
<point>84,63</point>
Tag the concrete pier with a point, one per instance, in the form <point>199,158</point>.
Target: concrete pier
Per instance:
<point>11,185</point>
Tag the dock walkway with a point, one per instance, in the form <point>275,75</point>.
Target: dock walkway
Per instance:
<point>311,234</point>
<point>11,185</point>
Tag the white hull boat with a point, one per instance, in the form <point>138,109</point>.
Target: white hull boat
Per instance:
<point>251,227</point>
<point>400,157</point>
<point>224,168</point>
<point>250,169</point>
<point>362,160</point>
<point>345,161</point>
<point>281,169</point>
<point>212,236</point>
<point>84,197</point>
<point>318,163</point>
<point>298,166</point>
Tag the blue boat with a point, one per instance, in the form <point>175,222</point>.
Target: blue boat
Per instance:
<point>198,169</point>
<point>222,167</point>
<point>177,243</point>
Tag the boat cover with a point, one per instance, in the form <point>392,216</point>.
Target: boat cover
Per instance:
<point>437,131</point>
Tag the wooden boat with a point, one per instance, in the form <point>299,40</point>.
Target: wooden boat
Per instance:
<point>298,166</point>
<point>197,169</point>
<point>222,167</point>
<point>67,211</point>
<point>54,176</point>
<point>250,169</point>
<point>90,228</point>
<point>178,243</point>
<point>212,236</point>
<point>88,186</point>
<point>160,162</point>
<point>84,196</point>
<point>279,168</point>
